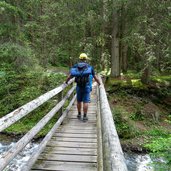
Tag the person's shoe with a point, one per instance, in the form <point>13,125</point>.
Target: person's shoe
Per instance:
<point>85,118</point>
<point>79,116</point>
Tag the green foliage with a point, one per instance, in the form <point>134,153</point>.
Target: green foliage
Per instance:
<point>17,56</point>
<point>157,132</point>
<point>132,74</point>
<point>162,79</point>
<point>124,129</point>
<point>6,8</point>
<point>161,148</point>
<point>137,116</point>
<point>16,90</point>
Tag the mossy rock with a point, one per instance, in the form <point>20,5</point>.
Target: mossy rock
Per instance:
<point>113,84</point>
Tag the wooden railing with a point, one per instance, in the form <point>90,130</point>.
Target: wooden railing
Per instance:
<point>113,157</point>
<point>19,113</point>
<point>110,155</point>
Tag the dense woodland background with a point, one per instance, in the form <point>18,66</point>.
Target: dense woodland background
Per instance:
<point>122,34</point>
<point>41,39</point>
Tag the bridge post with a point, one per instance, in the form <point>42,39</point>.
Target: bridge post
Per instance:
<point>73,94</point>
<point>60,97</point>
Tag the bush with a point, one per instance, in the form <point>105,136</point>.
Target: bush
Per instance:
<point>18,89</point>
<point>18,57</point>
<point>161,148</point>
<point>124,129</point>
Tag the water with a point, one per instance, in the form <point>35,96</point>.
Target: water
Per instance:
<point>21,158</point>
<point>135,162</point>
<point>138,162</point>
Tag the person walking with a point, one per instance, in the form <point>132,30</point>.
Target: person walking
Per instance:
<point>82,72</point>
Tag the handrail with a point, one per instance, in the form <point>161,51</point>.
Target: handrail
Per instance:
<point>12,152</point>
<point>113,157</point>
<point>99,133</point>
<point>44,142</point>
<point>22,111</point>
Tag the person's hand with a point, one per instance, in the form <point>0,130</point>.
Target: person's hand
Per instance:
<point>65,83</point>
<point>100,85</point>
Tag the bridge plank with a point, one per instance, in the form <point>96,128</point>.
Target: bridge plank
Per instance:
<point>76,122</point>
<point>69,150</point>
<point>67,139</point>
<point>77,131</point>
<point>75,135</point>
<point>72,166</point>
<point>89,117</point>
<point>78,127</point>
<point>72,157</point>
<point>72,144</point>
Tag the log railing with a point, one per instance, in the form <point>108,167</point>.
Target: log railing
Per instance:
<point>19,113</point>
<point>113,157</point>
<point>110,155</point>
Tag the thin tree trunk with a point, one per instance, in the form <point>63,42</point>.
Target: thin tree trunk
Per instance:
<point>104,11</point>
<point>145,78</point>
<point>115,68</point>
<point>124,46</point>
<point>124,58</point>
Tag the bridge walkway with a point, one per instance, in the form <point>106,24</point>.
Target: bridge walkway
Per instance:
<point>74,144</point>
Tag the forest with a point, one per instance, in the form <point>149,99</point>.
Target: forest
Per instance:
<point>128,43</point>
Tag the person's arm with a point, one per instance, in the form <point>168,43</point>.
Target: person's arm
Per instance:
<point>95,77</point>
<point>69,77</point>
<point>97,80</point>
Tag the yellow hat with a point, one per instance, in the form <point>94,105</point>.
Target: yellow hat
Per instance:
<point>83,56</point>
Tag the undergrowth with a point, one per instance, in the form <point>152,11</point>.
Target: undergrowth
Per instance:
<point>18,89</point>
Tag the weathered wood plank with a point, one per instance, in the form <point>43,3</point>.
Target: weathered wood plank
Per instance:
<point>78,122</point>
<point>82,124</point>
<point>91,111</point>
<point>75,135</point>
<point>88,114</point>
<point>73,157</point>
<point>69,150</point>
<point>93,117</point>
<point>52,143</point>
<point>66,139</point>
<point>78,127</point>
<point>77,131</point>
<point>63,166</point>
<point>91,106</point>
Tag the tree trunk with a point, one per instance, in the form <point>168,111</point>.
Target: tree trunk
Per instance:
<point>115,61</point>
<point>124,58</point>
<point>123,45</point>
<point>104,14</point>
<point>145,78</point>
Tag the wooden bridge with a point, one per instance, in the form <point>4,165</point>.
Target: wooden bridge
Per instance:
<point>71,145</point>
